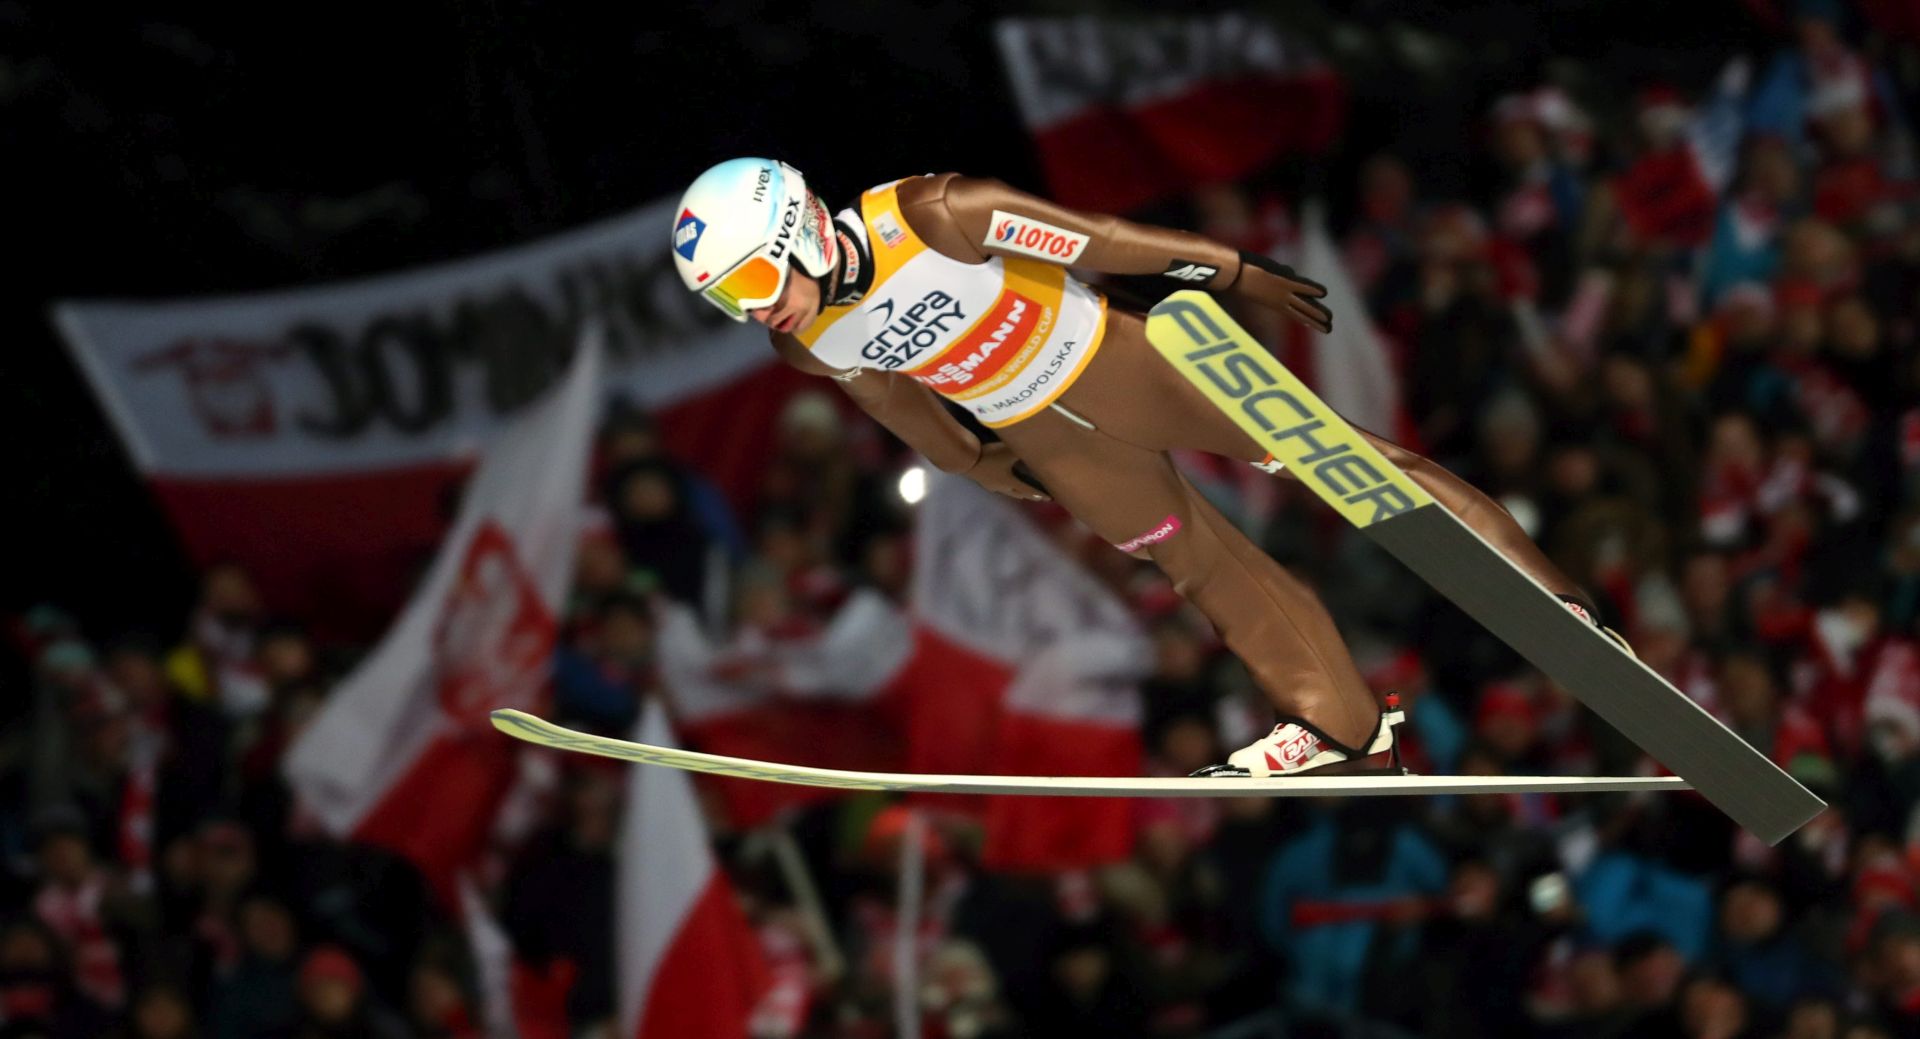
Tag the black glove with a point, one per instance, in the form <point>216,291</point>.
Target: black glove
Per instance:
<point>1275,285</point>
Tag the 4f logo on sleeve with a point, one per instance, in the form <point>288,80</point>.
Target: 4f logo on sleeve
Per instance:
<point>1187,270</point>
<point>1010,233</point>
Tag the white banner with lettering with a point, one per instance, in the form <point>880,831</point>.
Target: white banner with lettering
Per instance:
<point>402,369</point>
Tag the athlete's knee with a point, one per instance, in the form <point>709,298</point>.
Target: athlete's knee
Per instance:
<point>1408,461</point>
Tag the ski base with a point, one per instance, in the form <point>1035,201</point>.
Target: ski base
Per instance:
<point>524,726</point>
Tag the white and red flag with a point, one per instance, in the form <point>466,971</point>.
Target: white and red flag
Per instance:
<point>690,965</point>
<point>402,755</point>
<point>827,699</point>
<point>516,1000</point>
<point>1050,659</point>
<point>1011,659</point>
<point>1129,111</point>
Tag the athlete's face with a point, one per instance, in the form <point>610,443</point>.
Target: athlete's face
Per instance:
<point>796,308</point>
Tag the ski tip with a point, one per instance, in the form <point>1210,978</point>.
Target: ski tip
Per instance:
<point>511,721</point>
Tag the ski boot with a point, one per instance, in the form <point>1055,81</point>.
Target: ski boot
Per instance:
<point>1584,612</point>
<point>1293,747</point>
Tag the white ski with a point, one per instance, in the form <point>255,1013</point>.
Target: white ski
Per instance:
<point>1277,410</point>
<point>524,726</point>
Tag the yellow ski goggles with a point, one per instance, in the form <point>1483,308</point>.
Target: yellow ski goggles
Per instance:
<point>752,283</point>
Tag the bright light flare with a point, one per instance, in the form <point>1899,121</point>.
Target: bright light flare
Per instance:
<point>913,485</point>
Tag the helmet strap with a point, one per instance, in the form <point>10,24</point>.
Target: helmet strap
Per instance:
<point>837,289</point>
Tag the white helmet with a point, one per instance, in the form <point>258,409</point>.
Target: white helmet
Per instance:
<point>739,225</point>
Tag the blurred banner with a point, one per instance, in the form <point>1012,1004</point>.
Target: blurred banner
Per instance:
<point>402,755</point>
<point>1127,112</point>
<point>340,418</point>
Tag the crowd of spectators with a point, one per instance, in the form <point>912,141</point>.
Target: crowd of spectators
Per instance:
<point>1679,346</point>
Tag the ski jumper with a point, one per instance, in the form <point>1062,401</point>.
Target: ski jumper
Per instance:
<point>964,293</point>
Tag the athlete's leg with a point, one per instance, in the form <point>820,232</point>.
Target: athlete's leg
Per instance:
<point>1269,619</point>
<point>1487,517</point>
<point>1131,392</point>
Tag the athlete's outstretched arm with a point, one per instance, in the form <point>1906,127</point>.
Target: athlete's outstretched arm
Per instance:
<point>914,414</point>
<point>982,217</point>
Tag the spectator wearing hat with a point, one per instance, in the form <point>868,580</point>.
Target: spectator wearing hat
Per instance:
<point>334,1002</point>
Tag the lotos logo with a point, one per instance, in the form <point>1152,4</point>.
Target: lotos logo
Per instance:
<point>686,234</point>
<point>916,330</point>
<point>851,276</point>
<point>1012,233</point>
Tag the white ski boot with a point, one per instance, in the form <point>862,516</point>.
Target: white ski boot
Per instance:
<point>1292,748</point>
<point>1580,610</point>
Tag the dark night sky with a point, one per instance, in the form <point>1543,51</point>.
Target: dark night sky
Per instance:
<point>252,146</point>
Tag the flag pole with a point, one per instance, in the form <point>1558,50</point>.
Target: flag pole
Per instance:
<point>906,933</point>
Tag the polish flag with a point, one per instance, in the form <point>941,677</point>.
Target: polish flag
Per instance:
<point>1046,664</point>
<point>820,700</point>
<point>873,691</point>
<point>1125,112</point>
<point>1072,710</point>
<point>402,755</point>
<point>1010,660</point>
<point>516,1001</point>
<point>690,966</point>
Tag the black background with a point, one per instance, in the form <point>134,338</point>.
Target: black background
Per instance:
<point>227,148</point>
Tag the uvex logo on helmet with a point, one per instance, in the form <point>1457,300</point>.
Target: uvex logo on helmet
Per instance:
<point>1010,232</point>
<point>789,218</point>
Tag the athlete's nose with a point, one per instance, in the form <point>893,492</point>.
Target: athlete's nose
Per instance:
<point>764,315</point>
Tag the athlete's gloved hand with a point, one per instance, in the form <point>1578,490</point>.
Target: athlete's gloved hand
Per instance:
<point>1275,285</point>
<point>1001,471</point>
